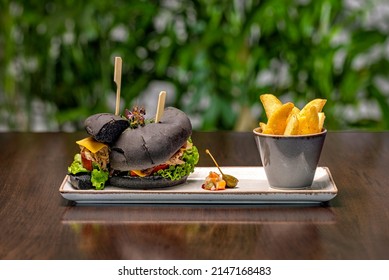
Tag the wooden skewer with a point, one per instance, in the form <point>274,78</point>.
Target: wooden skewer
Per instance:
<point>214,160</point>
<point>118,80</point>
<point>160,106</point>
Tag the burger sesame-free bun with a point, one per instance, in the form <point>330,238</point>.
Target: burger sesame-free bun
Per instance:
<point>81,181</point>
<point>144,183</point>
<point>105,127</point>
<point>152,144</point>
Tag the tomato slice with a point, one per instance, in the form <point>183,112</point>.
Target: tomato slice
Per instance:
<point>86,163</point>
<point>160,167</point>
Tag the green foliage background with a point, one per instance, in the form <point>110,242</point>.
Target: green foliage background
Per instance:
<point>56,59</point>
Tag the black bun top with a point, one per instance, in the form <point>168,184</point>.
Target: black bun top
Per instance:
<point>105,127</point>
<point>152,144</point>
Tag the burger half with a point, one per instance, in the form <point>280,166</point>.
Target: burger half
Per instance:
<point>136,154</point>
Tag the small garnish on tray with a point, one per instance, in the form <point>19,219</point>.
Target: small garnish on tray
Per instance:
<point>230,180</point>
<point>214,182</point>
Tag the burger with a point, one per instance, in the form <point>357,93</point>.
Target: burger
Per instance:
<point>130,151</point>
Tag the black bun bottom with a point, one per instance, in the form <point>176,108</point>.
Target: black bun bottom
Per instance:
<point>144,183</point>
<point>81,181</point>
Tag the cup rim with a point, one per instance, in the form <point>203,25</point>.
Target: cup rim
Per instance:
<point>258,131</point>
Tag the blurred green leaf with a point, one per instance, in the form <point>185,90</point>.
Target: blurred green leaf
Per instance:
<point>218,55</point>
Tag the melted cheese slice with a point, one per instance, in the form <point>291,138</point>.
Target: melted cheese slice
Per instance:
<point>91,144</point>
<point>139,173</point>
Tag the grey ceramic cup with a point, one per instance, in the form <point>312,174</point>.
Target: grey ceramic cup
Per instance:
<point>290,161</point>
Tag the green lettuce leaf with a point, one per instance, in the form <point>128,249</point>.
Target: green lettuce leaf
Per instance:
<point>191,158</point>
<point>98,178</point>
<point>76,166</point>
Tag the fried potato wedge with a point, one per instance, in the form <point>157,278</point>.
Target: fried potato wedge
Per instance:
<point>295,110</point>
<point>322,117</point>
<point>270,103</point>
<point>277,122</point>
<point>292,125</point>
<point>262,126</point>
<point>309,121</point>
<point>318,103</point>
<point>286,119</point>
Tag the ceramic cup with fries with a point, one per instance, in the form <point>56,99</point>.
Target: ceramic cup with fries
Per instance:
<point>291,141</point>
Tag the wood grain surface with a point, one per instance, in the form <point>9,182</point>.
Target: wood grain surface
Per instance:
<point>37,223</point>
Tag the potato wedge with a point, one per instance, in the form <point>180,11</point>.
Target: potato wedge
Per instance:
<point>309,121</point>
<point>292,125</point>
<point>270,103</point>
<point>286,119</point>
<point>262,125</point>
<point>277,121</point>
<point>295,110</point>
<point>318,103</point>
<point>322,117</point>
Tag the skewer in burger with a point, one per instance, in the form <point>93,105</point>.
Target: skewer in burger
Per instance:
<point>132,152</point>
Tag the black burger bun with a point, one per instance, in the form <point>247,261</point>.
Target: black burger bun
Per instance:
<point>105,127</point>
<point>144,183</point>
<point>81,181</point>
<point>152,144</point>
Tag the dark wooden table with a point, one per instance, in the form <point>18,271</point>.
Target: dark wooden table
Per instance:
<point>37,223</point>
